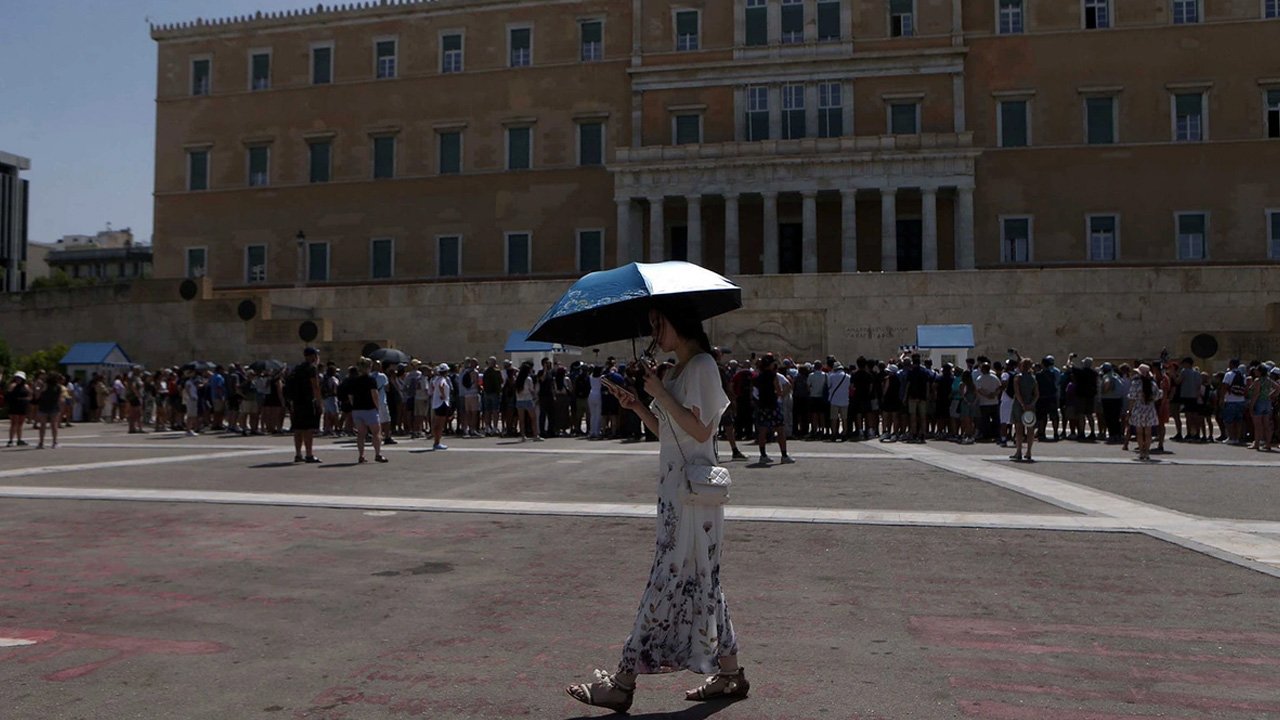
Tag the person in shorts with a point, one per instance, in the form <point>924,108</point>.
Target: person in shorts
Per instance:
<point>361,394</point>
<point>305,402</point>
<point>48,399</point>
<point>767,393</point>
<point>491,397</point>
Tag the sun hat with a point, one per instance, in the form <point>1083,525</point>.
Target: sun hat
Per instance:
<point>20,375</point>
<point>442,367</point>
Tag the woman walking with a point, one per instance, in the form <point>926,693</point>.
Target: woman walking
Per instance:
<point>683,622</point>
<point>595,403</point>
<point>1144,393</point>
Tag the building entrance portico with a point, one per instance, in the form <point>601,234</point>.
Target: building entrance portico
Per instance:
<point>804,191</point>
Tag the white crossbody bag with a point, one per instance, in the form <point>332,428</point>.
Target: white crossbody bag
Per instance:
<point>705,484</point>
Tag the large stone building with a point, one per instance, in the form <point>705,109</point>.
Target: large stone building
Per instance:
<point>423,139</point>
<point>14,202</point>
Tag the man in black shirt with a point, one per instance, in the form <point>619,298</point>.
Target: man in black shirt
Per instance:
<point>304,410</point>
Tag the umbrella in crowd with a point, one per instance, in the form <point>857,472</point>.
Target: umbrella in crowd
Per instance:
<point>199,366</point>
<point>614,304</point>
<point>389,355</point>
<point>266,366</point>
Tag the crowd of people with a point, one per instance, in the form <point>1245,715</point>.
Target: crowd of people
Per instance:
<point>1015,401</point>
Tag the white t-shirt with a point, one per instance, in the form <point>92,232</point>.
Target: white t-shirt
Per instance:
<point>525,392</point>
<point>1227,397</point>
<point>441,390</point>
<point>987,383</point>
<point>192,391</point>
<point>838,388</point>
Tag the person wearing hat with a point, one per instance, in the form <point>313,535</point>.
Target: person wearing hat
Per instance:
<point>305,403</point>
<point>18,400</point>
<point>440,391</point>
<point>1144,394</point>
<point>491,396</point>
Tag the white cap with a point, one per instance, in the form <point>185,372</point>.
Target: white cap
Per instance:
<point>20,375</point>
<point>442,367</point>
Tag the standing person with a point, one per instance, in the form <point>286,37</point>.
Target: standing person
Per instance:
<point>1187,401</point>
<point>366,409</point>
<point>683,622</point>
<point>988,387</point>
<point>1113,395</point>
<point>329,395</point>
<point>1262,392</point>
<point>416,386</point>
<point>470,392</point>
<point>969,408</point>
<point>525,392</point>
<point>511,414</point>
<point>837,397</point>
<point>545,409</point>
<point>217,397</point>
<point>305,405</point>
<point>1086,397</point>
<point>48,398</point>
<point>1233,402</point>
<point>1143,396</point>
<point>920,387</point>
<point>1026,397</point>
<point>491,397</point>
<point>191,398</point>
<point>18,400</point>
<point>767,392</point>
<point>384,412</point>
<point>441,394</point>
<point>595,402</point>
<point>250,413</point>
<point>818,405</point>
<point>1050,379</point>
<point>727,372</point>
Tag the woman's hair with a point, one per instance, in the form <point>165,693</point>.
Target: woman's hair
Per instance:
<point>966,379</point>
<point>1148,388</point>
<point>524,374</point>
<point>688,326</point>
<point>597,371</point>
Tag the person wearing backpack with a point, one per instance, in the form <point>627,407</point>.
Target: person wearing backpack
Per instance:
<point>304,405</point>
<point>470,396</point>
<point>1233,401</point>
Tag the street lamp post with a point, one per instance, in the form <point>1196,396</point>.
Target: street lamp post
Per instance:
<point>301,237</point>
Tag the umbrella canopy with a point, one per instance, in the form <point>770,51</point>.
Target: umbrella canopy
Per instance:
<point>389,355</point>
<point>200,365</point>
<point>614,304</point>
<point>267,366</point>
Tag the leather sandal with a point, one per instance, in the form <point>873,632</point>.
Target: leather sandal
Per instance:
<point>606,692</point>
<point>721,686</point>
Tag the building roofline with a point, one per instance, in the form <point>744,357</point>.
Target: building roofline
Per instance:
<point>321,13</point>
<point>15,160</point>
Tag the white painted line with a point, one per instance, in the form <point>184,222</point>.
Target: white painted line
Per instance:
<point>137,462</point>
<point>578,509</point>
<point>15,642</point>
<point>1123,460</point>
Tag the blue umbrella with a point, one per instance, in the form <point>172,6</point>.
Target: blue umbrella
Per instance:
<point>614,304</point>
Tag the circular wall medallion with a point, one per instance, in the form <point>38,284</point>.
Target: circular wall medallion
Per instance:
<point>308,331</point>
<point>247,310</point>
<point>188,289</point>
<point>1204,346</point>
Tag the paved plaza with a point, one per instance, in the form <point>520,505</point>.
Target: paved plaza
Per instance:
<point>161,576</point>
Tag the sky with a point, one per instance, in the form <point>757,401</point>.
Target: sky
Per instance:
<point>77,97</point>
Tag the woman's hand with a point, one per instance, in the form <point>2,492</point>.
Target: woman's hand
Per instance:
<point>653,384</point>
<point>626,399</point>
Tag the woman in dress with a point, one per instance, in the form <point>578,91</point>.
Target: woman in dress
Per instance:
<point>1026,394</point>
<point>17,398</point>
<point>1144,393</point>
<point>683,622</point>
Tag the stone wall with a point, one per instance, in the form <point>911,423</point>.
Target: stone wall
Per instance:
<point>1105,312</point>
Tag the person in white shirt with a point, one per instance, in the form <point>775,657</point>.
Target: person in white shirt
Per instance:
<point>441,393</point>
<point>1233,400</point>
<point>989,386</point>
<point>837,394</point>
<point>191,397</point>
<point>817,400</point>
<point>384,413</point>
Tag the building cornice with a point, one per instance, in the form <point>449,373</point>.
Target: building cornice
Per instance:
<point>931,61</point>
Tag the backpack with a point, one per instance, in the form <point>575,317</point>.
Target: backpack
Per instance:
<point>1236,386</point>
<point>468,379</point>
<point>1008,387</point>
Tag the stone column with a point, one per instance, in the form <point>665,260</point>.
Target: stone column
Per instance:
<point>889,229</point>
<point>657,230</point>
<point>964,229</point>
<point>774,30</point>
<point>695,229</point>
<point>809,231</point>
<point>849,230</point>
<point>732,261</point>
<point>770,232</point>
<point>624,230</point>
<point>929,227</point>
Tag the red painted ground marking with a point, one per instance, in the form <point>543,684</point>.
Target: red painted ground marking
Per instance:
<point>52,643</point>
<point>945,626</point>
<point>1222,678</point>
<point>989,710</point>
<point>1132,696</point>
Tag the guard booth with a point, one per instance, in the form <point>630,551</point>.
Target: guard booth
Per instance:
<point>85,359</point>
<point>519,349</point>
<point>945,343</point>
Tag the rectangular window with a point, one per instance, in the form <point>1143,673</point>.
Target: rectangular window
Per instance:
<point>792,112</point>
<point>1103,234</point>
<point>902,18</point>
<point>686,30</point>
<point>1010,20</point>
<point>321,156</point>
<point>591,40</point>
<point>449,255</point>
<point>1013,123</point>
<point>521,43</point>
<point>255,264</point>
<point>322,65</point>
<point>904,118</point>
<point>451,53</point>
<point>201,76</point>
<point>830,110</point>
<point>518,254</point>
<point>1188,117</point>
<point>381,258</point>
<point>1273,112</point>
<point>196,262</point>
<point>450,152</point>
<point>384,157</point>
<point>259,165</point>
<point>1186,12</point>
<point>519,148</point>
<point>385,59</point>
<point>1271,9</point>
<point>591,143</point>
<point>1100,120</point>
<point>829,20</point>
<point>1015,239</point>
<point>1097,14</point>
<point>688,129</point>
<point>756,17</point>
<point>590,250</point>
<point>1193,229</point>
<point>260,64</point>
<point>792,21</point>
<point>757,113</point>
<point>318,262</point>
<point>1273,234</point>
<point>198,170</point>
